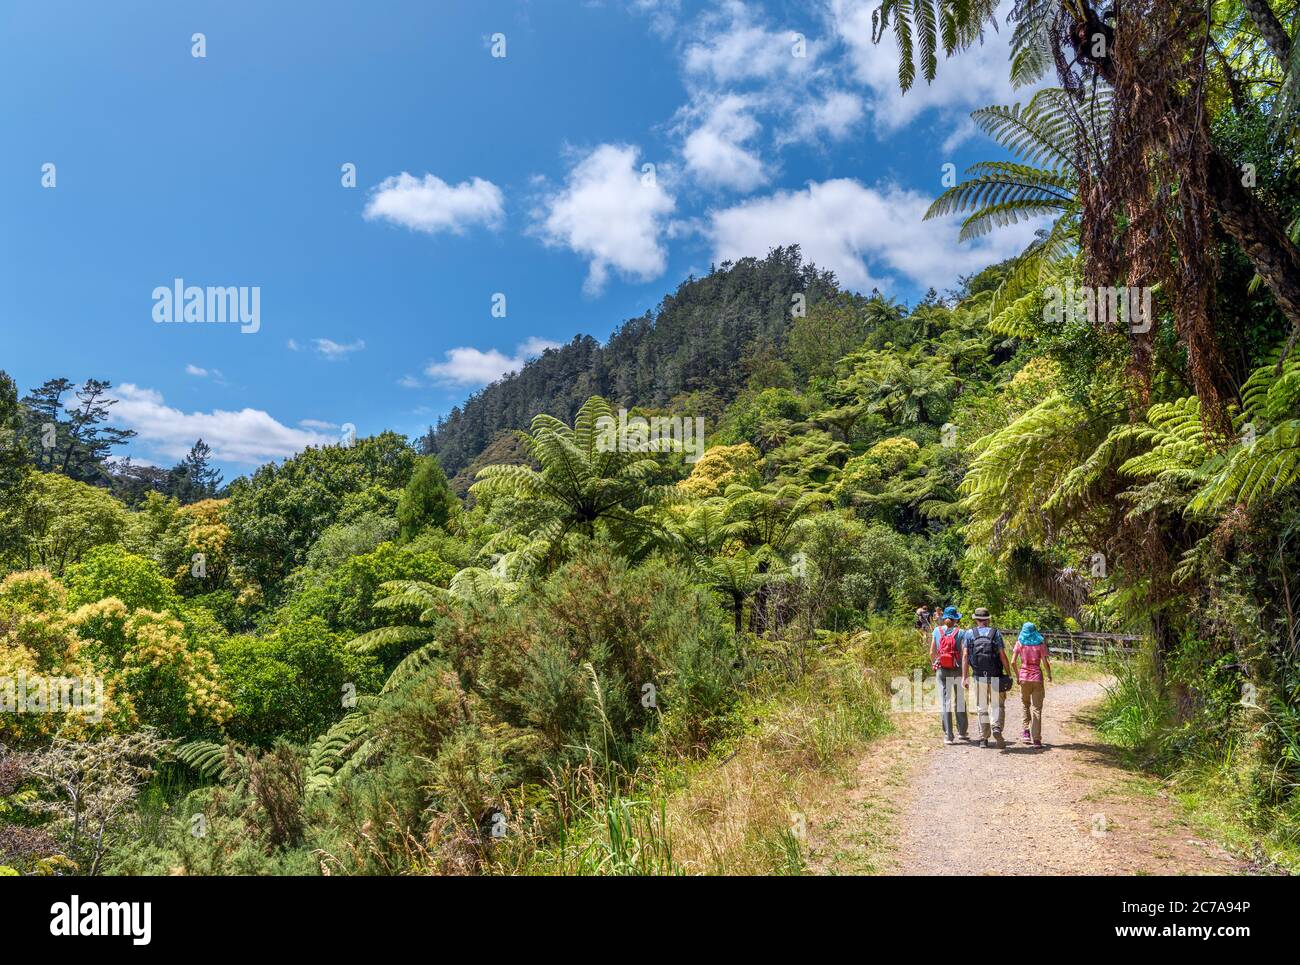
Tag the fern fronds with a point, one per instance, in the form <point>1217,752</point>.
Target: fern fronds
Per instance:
<point>208,758</point>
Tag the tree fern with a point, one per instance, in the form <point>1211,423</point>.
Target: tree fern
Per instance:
<point>1266,458</point>
<point>1017,469</point>
<point>924,27</point>
<point>208,758</point>
<point>589,477</point>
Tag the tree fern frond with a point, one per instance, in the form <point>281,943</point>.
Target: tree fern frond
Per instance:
<point>386,637</point>
<point>208,758</point>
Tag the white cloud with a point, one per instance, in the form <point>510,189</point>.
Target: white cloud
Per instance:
<point>334,351</point>
<point>612,215</point>
<point>201,373</point>
<point>249,436</point>
<point>293,345</point>
<point>713,150</point>
<point>746,77</point>
<point>430,204</point>
<point>472,366</point>
<point>661,14</point>
<point>317,424</point>
<point>741,49</point>
<point>857,231</point>
<point>409,382</point>
<point>972,78</point>
<point>835,114</point>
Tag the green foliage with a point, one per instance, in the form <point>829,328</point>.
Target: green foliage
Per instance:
<point>590,481</point>
<point>278,512</point>
<point>294,682</point>
<point>57,521</point>
<point>110,570</point>
<point>427,499</point>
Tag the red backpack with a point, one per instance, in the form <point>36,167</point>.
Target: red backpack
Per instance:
<point>950,648</point>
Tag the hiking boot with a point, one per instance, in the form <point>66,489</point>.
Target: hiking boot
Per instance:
<point>949,740</point>
<point>1024,738</point>
<point>1000,742</point>
<point>984,742</point>
<point>1038,743</point>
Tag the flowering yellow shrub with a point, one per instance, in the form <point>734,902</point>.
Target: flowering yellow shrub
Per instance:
<point>718,468</point>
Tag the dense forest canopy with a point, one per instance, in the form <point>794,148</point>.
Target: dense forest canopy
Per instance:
<point>340,665</point>
<point>704,338</point>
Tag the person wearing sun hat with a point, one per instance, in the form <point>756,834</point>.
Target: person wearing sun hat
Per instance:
<point>1030,661</point>
<point>984,656</point>
<point>945,658</point>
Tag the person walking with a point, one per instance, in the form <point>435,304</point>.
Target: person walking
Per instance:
<point>923,624</point>
<point>945,658</point>
<point>984,655</point>
<point>1030,661</point>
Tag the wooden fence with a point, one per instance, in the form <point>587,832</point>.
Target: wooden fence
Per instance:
<point>1083,645</point>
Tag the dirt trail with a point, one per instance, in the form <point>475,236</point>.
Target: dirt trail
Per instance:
<point>919,807</point>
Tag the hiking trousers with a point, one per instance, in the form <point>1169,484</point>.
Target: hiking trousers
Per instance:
<point>1031,699</point>
<point>991,703</point>
<point>952,702</point>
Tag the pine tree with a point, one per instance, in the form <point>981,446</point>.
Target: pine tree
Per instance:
<point>193,479</point>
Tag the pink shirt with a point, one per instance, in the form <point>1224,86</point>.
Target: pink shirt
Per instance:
<point>1031,661</point>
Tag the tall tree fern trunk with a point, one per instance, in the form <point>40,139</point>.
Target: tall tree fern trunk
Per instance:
<point>1270,28</point>
<point>1259,234</point>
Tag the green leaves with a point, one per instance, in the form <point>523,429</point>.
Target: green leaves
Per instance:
<point>932,26</point>
<point>1266,459</point>
<point>590,478</point>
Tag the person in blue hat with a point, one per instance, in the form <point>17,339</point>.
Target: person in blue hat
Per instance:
<point>1028,662</point>
<point>945,658</point>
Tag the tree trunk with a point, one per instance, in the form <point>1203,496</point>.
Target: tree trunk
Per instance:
<point>1259,234</point>
<point>1270,28</point>
<point>1246,220</point>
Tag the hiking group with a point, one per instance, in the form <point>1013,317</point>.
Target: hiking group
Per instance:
<point>979,652</point>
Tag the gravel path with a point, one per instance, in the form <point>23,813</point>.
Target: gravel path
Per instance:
<point>1067,808</point>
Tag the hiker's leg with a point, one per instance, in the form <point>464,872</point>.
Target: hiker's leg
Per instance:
<point>982,705</point>
<point>1025,685</point>
<point>945,704</point>
<point>962,716</point>
<point>1036,731</point>
<point>1000,708</point>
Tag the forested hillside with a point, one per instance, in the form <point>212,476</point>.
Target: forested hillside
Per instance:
<point>705,338</point>
<point>336,665</point>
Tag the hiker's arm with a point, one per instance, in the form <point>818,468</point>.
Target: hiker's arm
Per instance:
<point>965,665</point>
<point>1015,660</point>
<point>1002,652</point>
<point>1047,665</point>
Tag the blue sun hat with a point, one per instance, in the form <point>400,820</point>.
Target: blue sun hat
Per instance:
<point>1029,635</point>
<point>950,613</point>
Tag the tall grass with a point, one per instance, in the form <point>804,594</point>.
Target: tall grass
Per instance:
<point>730,813</point>
<point>1234,775</point>
<point>1134,711</point>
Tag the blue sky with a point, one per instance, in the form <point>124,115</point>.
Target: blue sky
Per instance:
<point>476,175</point>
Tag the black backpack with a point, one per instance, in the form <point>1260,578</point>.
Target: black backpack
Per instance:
<point>983,650</point>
